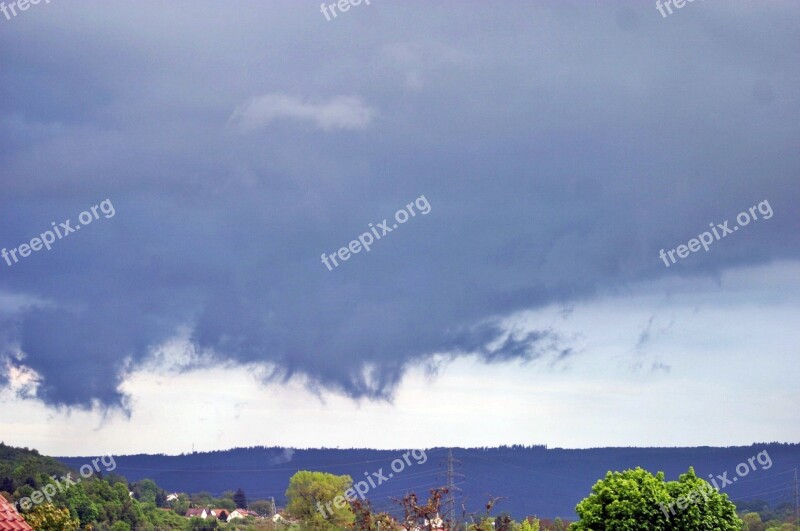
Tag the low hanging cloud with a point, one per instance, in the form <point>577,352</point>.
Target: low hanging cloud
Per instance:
<point>554,174</point>
<point>342,112</point>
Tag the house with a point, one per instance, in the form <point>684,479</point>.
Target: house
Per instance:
<point>173,497</point>
<point>240,513</point>
<point>10,519</point>
<point>197,513</point>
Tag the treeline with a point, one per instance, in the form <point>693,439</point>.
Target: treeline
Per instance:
<point>51,497</point>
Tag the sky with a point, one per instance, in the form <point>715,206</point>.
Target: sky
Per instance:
<point>409,225</point>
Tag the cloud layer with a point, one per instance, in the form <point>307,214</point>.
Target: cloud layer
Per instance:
<point>560,147</point>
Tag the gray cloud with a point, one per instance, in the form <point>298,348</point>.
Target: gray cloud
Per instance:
<point>560,147</point>
<point>342,112</point>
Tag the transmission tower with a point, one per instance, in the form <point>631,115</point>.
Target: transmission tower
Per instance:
<point>450,500</point>
<point>796,500</point>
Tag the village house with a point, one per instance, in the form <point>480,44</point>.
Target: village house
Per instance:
<point>197,513</point>
<point>240,513</point>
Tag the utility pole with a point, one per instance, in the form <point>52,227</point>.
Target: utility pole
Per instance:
<point>450,500</point>
<point>796,500</point>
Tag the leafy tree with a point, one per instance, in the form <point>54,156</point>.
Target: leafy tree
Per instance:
<point>367,520</point>
<point>132,513</point>
<point>181,505</point>
<point>145,490</point>
<point>625,500</point>
<point>81,505</point>
<point>637,500</point>
<point>225,503</point>
<point>161,498</point>
<point>752,522</point>
<point>202,499</point>
<point>6,483</point>
<point>47,517</point>
<point>504,522</point>
<point>240,499</point>
<point>419,516</point>
<point>163,520</point>
<point>529,524</point>
<point>262,507</point>
<point>310,494</point>
<point>705,507</point>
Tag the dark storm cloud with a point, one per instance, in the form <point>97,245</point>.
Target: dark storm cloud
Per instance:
<point>559,147</point>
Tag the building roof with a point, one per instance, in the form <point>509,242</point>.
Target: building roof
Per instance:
<point>10,519</point>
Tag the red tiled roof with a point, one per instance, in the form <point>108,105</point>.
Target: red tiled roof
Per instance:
<point>10,519</point>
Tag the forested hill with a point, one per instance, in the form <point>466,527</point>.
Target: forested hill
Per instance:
<point>530,480</point>
<point>19,464</point>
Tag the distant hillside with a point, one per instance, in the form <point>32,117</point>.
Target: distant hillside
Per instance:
<point>532,480</point>
<point>21,466</point>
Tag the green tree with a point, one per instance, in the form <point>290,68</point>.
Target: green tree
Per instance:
<point>625,500</point>
<point>638,500</point>
<point>81,505</point>
<point>163,520</point>
<point>145,491</point>
<point>181,505</point>
<point>47,517</point>
<point>224,503</point>
<point>752,522</point>
<point>368,520</point>
<point>483,523</point>
<point>703,506</point>
<point>202,499</point>
<point>262,507</point>
<point>317,498</point>
<point>240,499</point>
<point>504,522</point>
<point>530,524</point>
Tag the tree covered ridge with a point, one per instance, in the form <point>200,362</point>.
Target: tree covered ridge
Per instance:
<point>631,500</point>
